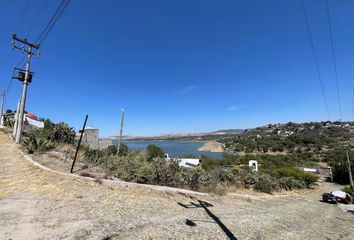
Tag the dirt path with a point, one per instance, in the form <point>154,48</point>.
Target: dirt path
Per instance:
<point>37,204</point>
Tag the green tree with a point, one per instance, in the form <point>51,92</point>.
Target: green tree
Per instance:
<point>154,151</point>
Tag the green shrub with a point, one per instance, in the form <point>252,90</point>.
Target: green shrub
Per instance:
<point>37,144</point>
<point>297,174</point>
<point>194,179</point>
<point>95,156</point>
<point>57,133</point>
<point>63,133</point>
<point>168,174</point>
<point>264,183</point>
<point>248,177</point>
<point>154,151</point>
<point>133,168</point>
<point>349,190</point>
<point>289,183</point>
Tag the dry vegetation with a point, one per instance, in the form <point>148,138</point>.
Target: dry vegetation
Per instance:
<point>38,204</point>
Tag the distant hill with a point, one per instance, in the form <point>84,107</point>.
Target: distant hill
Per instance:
<point>176,136</point>
<point>226,132</point>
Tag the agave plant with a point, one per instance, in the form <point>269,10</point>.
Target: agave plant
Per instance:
<point>37,144</point>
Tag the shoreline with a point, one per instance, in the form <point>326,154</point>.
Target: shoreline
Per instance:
<point>211,146</point>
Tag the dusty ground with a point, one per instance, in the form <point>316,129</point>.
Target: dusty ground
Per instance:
<point>38,204</point>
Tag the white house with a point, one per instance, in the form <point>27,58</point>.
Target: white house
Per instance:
<point>185,162</point>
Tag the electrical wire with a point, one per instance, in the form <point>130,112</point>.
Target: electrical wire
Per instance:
<point>316,59</point>
<point>22,16</point>
<point>21,63</point>
<point>37,18</point>
<point>334,59</point>
<point>56,16</point>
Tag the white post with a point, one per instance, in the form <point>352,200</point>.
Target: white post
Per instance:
<point>23,98</point>
<point>2,109</point>
<point>14,132</point>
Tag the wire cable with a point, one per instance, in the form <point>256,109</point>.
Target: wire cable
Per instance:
<point>56,16</point>
<point>20,63</point>
<point>316,59</point>
<point>334,59</point>
<point>22,16</point>
<point>37,18</point>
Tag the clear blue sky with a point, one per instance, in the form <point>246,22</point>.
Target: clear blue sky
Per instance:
<point>182,66</point>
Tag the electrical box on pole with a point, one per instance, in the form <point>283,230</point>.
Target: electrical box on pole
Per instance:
<point>24,76</point>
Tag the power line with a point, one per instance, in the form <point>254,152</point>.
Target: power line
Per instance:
<point>37,18</point>
<point>334,59</point>
<point>20,63</point>
<point>22,15</point>
<point>56,16</point>
<point>316,59</point>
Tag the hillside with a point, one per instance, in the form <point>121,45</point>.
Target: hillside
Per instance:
<point>313,137</point>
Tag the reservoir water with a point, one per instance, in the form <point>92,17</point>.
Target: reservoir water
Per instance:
<point>174,148</point>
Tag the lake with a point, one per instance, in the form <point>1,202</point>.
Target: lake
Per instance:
<point>174,148</point>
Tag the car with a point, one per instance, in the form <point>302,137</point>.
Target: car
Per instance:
<point>342,197</point>
<point>329,198</point>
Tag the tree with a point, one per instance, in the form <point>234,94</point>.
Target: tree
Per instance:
<point>154,151</point>
<point>337,159</point>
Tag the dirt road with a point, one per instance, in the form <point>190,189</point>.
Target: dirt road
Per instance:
<point>38,204</point>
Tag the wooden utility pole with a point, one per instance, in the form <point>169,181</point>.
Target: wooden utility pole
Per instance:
<point>26,81</point>
<point>121,132</point>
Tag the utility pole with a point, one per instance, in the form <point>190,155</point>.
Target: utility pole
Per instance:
<point>78,144</point>
<point>349,169</point>
<point>121,131</point>
<point>27,79</point>
<point>16,119</point>
<point>2,108</point>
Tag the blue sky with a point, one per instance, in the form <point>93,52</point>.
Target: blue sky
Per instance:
<point>181,66</point>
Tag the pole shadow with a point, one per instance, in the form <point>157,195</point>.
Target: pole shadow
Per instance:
<point>205,205</point>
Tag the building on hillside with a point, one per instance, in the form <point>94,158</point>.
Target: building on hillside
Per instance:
<point>91,138</point>
<point>253,165</point>
<point>185,162</point>
<point>30,121</point>
<point>325,173</point>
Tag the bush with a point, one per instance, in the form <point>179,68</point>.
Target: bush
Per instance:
<point>133,168</point>
<point>168,174</point>
<point>95,156</point>
<point>349,190</point>
<point>37,144</point>
<point>265,183</point>
<point>112,150</point>
<point>63,133</point>
<point>57,133</point>
<point>289,183</point>
<point>154,151</point>
<point>297,174</point>
<point>195,179</point>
